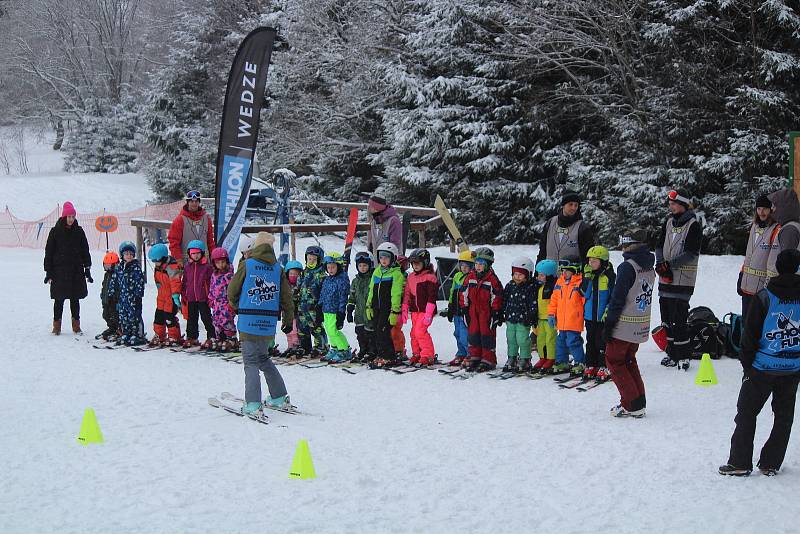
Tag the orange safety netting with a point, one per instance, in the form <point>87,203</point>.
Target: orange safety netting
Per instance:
<point>15,232</point>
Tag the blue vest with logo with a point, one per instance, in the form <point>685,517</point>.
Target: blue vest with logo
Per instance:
<point>779,347</point>
<point>259,302</point>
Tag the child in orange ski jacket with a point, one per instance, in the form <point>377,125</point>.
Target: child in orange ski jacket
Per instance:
<point>167,276</point>
<point>566,315</point>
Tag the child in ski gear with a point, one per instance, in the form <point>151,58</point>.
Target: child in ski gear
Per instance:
<point>293,271</point>
<point>628,321</point>
<point>566,315</point>
<point>677,256</point>
<point>596,287</point>
<point>221,312</point>
<point>761,252</point>
<point>482,304</point>
<point>384,303</point>
<point>333,302</point>
<point>196,282</point>
<point>128,284</point>
<point>520,313</point>
<point>545,335</point>
<point>258,293</point>
<point>167,276</point>
<point>770,369</point>
<point>398,337</point>
<point>309,315</point>
<point>357,305</point>
<point>453,313</point>
<point>109,300</point>
<point>419,302</point>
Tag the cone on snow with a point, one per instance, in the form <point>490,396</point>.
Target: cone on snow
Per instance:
<point>90,430</point>
<point>302,466</point>
<point>705,374</point>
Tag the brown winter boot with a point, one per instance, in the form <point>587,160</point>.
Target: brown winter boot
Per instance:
<point>56,327</point>
<point>76,326</point>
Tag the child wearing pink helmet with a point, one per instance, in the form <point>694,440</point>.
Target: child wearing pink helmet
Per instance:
<point>221,312</point>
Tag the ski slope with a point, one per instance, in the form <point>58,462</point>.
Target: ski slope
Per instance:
<point>393,453</point>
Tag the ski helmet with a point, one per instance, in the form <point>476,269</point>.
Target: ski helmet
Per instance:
<point>420,255</point>
<point>127,246</point>
<point>158,252</point>
<point>389,248</point>
<point>569,263</point>
<point>293,264</point>
<point>314,250</point>
<point>333,257</point>
<point>547,267</point>
<point>485,255</point>
<point>219,253</point>
<point>196,243</point>
<point>466,256</point>
<point>601,253</point>
<point>364,257</point>
<point>111,258</point>
<point>522,265</point>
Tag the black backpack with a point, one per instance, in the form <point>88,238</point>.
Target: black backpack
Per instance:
<point>703,335</point>
<point>730,332</point>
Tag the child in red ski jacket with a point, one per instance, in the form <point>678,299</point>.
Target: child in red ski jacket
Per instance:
<point>419,300</point>
<point>482,303</point>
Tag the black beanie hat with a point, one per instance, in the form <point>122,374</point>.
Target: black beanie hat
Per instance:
<point>763,202</point>
<point>570,196</point>
<point>788,261</point>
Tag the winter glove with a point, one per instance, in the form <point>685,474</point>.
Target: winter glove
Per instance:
<point>286,328</point>
<point>664,271</point>
<point>339,320</point>
<point>47,278</point>
<point>551,320</point>
<point>350,310</point>
<point>403,314</point>
<point>393,316</point>
<point>319,316</point>
<point>430,311</point>
<point>588,272</point>
<point>177,300</point>
<point>451,311</point>
<point>368,313</point>
<point>88,275</point>
<point>497,320</point>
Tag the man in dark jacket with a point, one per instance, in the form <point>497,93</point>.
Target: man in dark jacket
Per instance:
<point>566,233</point>
<point>770,359</point>
<point>677,255</point>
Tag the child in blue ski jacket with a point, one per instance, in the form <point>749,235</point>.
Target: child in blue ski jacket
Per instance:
<point>333,301</point>
<point>128,284</point>
<point>596,287</point>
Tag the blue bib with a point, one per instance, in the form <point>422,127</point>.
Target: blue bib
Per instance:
<point>779,347</point>
<point>259,302</point>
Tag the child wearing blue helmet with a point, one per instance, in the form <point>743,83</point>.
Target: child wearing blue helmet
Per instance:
<point>128,284</point>
<point>545,335</point>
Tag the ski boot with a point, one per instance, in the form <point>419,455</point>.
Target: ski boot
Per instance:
<point>251,408</point>
<point>136,341</point>
<point>484,367</point>
<point>456,362</point>
<point>511,365</point>
<point>328,355</point>
<point>683,365</point>
<point>547,366</point>
<point>414,360</point>
<point>602,375</point>
<point>189,343</point>
<point>340,356</point>
<point>620,411</point>
<point>731,470</point>
<point>539,364</point>
<point>157,341</point>
<point>666,361</point>
<point>208,344</point>
<point>280,403</point>
<point>577,369</point>
<point>274,352</point>
<point>105,334</point>
<point>589,373</point>
<point>768,471</point>
<point>121,340</point>
<point>524,366</point>
<point>426,361</point>
<point>559,368</point>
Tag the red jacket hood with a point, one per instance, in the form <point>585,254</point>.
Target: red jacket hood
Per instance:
<point>193,215</point>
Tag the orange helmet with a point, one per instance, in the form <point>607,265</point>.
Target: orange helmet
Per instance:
<point>110,258</point>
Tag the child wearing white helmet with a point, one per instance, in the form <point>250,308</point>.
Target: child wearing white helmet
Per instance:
<point>384,303</point>
<point>520,315</point>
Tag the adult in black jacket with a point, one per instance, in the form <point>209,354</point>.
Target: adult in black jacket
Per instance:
<point>770,359</point>
<point>66,265</point>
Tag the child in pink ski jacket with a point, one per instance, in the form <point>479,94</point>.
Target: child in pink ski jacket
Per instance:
<point>222,314</point>
<point>419,299</point>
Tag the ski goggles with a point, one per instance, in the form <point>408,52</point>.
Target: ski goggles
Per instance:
<point>567,265</point>
<point>677,197</point>
<point>385,254</point>
<point>193,195</point>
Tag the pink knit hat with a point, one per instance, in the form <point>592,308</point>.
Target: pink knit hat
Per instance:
<point>68,209</point>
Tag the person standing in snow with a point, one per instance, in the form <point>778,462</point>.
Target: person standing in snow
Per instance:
<point>390,229</point>
<point>67,266</point>
<point>786,211</point>
<point>762,247</point>
<point>419,305</point>
<point>597,285</point>
<point>333,304</point>
<point>193,223</point>
<point>628,321</point>
<point>259,293</point>
<point>520,313</point>
<point>566,233</point>
<point>770,359</point>
<point>677,255</point>
<point>481,301</point>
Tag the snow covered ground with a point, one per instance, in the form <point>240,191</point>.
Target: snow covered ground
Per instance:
<point>393,453</point>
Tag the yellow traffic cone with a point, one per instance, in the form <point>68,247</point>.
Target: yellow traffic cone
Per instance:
<point>705,374</point>
<point>302,466</point>
<point>90,430</point>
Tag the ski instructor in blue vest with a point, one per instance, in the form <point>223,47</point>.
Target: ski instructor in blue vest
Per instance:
<point>771,362</point>
<point>259,293</point>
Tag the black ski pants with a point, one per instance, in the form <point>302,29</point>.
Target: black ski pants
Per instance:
<point>202,310</point>
<point>755,390</point>
<point>674,316</point>
<point>595,347</point>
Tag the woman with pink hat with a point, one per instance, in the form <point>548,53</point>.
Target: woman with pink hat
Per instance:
<point>66,265</point>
